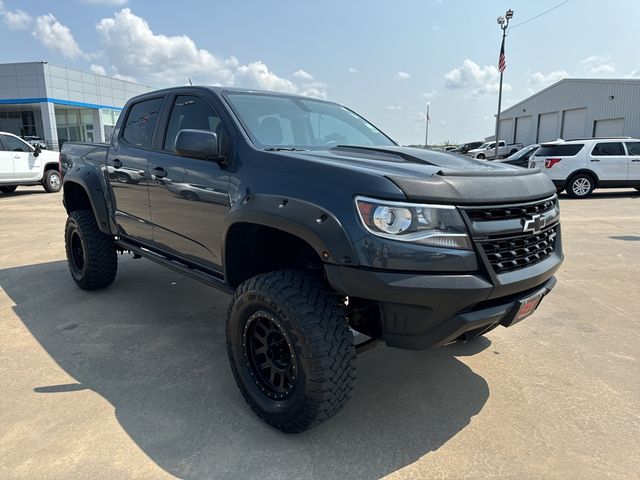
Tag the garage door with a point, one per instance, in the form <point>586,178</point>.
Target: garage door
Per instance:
<point>548,127</point>
<point>506,130</point>
<point>609,128</point>
<point>523,130</point>
<point>574,123</point>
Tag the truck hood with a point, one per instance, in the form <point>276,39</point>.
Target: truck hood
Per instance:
<point>428,175</point>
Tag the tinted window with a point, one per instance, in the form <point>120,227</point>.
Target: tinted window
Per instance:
<point>559,150</point>
<point>633,148</point>
<point>608,149</point>
<point>141,121</point>
<point>190,112</point>
<point>12,144</point>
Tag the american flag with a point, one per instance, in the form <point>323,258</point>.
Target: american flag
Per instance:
<point>502,61</point>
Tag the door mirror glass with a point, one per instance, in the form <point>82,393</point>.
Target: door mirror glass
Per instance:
<point>200,144</point>
<point>37,150</point>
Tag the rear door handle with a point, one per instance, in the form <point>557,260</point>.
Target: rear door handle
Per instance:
<point>115,163</point>
<point>595,160</point>
<point>159,172</point>
<point>636,160</point>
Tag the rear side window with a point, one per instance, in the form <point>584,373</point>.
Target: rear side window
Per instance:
<point>141,121</point>
<point>608,149</point>
<point>633,148</point>
<point>559,150</point>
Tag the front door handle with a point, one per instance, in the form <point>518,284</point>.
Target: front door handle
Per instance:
<point>636,160</point>
<point>159,172</point>
<point>595,160</point>
<point>115,163</point>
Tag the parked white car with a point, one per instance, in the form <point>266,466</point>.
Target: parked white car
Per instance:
<point>487,150</point>
<point>580,166</point>
<point>23,164</point>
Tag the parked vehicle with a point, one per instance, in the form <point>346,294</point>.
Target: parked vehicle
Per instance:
<point>521,157</point>
<point>323,229</point>
<point>22,164</point>
<point>487,150</point>
<point>466,147</point>
<point>580,166</point>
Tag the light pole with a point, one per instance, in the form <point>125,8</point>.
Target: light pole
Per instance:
<point>502,64</point>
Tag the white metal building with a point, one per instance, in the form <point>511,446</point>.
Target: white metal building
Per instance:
<point>575,108</point>
<point>61,104</point>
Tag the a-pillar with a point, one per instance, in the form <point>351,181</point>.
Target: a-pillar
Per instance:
<point>49,126</point>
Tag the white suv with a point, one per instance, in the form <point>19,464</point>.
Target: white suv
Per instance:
<point>579,166</point>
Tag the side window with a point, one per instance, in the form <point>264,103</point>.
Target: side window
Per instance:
<point>12,144</point>
<point>190,112</point>
<point>141,121</point>
<point>633,148</point>
<point>608,149</point>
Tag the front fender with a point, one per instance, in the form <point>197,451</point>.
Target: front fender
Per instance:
<point>309,222</point>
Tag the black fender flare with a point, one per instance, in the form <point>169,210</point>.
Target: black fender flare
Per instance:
<point>315,225</point>
<point>94,188</point>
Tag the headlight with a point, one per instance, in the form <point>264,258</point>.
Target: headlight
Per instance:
<point>435,225</point>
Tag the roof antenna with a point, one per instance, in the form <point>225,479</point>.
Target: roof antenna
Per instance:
<point>190,81</point>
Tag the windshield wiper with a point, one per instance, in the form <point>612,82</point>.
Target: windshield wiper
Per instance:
<point>286,149</point>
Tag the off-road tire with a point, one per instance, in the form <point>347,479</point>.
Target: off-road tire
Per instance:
<point>581,179</point>
<point>9,189</point>
<point>52,182</point>
<point>312,320</point>
<point>91,254</point>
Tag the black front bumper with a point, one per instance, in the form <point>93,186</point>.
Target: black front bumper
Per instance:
<point>419,311</point>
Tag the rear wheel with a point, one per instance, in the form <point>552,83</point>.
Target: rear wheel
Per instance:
<point>580,186</point>
<point>10,189</point>
<point>91,254</point>
<point>52,182</point>
<point>290,348</point>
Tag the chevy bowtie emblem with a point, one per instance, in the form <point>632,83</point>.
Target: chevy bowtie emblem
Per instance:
<point>534,223</point>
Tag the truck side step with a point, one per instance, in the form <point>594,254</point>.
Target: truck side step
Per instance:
<point>179,267</point>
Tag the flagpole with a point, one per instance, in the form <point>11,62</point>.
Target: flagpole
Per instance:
<point>426,130</point>
<point>504,23</point>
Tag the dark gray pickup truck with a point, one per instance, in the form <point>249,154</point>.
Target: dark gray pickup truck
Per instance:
<point>320,225</point>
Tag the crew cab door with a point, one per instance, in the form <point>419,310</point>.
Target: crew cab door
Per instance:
<point>633,155</point>
<point>128,170</point>
<point>26,166</point>
<point>189,197</point>
<point>6,162</point>
<point>609,161</point>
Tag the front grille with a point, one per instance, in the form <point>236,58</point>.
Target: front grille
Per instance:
<point>511,211</point>
<point>508,254</point>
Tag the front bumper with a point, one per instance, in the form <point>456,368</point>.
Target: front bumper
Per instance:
<point>420,311</point>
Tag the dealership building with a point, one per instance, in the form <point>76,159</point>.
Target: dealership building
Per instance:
<point>60,104</point>
<point>575,108</point>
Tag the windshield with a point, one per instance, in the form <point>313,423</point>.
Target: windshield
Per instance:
<point>484,145</point>
<point>279,121</point>
<point>522,152</point>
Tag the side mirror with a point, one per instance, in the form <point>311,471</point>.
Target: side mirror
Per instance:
<point>37,150</point>
<point>200,144</point>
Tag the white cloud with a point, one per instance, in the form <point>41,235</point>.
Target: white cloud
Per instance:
<point>97,69</point>
<point>599,64</point>
<point>401,75</point>
<point>134,51</point>
<point>429,95</point>
<point>395,108</point>
<point>111,3</point>
<point>352,70</point>
<point>540,80</point>
<point>302,75</point>
<point>14,19</point>
<point>634,74</point>
<point>56,36</point>
<point>478,80</point>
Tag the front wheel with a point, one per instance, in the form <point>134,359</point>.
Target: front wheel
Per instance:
<point>91,254</point>
<point>52,182</point>
<point>9,189</point>
<point>481,156</point>
<point>291,349</point>
<point>580,186</point>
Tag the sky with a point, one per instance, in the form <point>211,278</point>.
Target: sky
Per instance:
<point>383,59</point>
